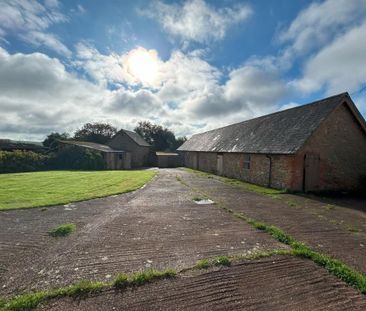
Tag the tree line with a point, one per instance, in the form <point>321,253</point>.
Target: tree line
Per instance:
<point>159,137</point>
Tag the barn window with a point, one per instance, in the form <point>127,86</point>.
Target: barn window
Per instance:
<point>246,162</point>
<point>120,156</point>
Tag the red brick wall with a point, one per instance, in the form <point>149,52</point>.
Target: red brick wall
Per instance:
<point>341,145</point>
<point>339,141</point>
<point>282,167</point>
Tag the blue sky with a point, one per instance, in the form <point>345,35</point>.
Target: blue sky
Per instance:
<point>189,65</point>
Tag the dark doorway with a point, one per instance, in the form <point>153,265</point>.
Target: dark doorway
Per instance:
<point>311,172</point>
<point>220,164</point>
<point>195,160</point>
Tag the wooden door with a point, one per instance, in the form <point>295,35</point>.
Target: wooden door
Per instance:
<point>195,160</point>
<point>311,172</point>
<point>127,161</point>
<point>220,162</point>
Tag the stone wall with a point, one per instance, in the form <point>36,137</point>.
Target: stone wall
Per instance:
<point>139,154</point>
<point>115,161</point>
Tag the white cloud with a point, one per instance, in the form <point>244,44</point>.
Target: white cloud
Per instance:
<point>38,95</point>
<point>81,9</point>
<point>320,22</point>
<point>196,20</point>
<point>339,66</point>
<point>29,21</point>
<point>103,69</point>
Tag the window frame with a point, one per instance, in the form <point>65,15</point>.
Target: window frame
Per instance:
<point>246,161</point>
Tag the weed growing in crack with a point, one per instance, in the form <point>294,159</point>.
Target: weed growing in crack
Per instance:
<point>29,301</point>
<point>120,281</point>
<point>63,230</point>
<point>216,261</point>
<point>140,278</point>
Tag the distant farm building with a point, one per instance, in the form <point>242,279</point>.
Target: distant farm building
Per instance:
<point>125,150</point>
<point>315,147</point>
<point>114,159</point>
<point>168,159</point>
<point>133,143</point>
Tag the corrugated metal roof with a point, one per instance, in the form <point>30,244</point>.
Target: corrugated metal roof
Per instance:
<point>282,132</point>
<point>136,138</point>
<point>90,145</point>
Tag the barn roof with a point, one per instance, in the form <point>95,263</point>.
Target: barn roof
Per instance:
<point>90,145</point>
<point>136,138</point>
<point>282,132</point>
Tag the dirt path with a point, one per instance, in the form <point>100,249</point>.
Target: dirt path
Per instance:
<point>278,283</point>
<point>158,226</point>
<point>301,221</point>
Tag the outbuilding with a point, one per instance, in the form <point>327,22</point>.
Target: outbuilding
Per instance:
<point>133,143</point>
<point>114,159</point>
<point>168,159</point>
<point>125,150</point>
<point>320,146</point>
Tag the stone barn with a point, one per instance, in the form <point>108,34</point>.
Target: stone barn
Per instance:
<point>125,150</point>
<point>133,143</point>
<point>320,146</point>
<point>114,159</point>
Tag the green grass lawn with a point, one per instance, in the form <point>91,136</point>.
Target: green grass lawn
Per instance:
<point>24,190</point>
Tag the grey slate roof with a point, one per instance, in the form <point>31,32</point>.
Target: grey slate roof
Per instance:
<point>90,145</point>
<point>136,138</point>
<point>282,132</point>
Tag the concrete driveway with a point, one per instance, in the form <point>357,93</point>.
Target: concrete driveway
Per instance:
<point>160,226</point>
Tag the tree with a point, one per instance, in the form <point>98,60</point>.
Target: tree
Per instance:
<point>52,139</point>
<point>158,137</point>
<point>76,158</point>
<point>180,141</point>
<point>96,132</point>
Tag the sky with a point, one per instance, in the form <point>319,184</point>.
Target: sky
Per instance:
<point>189,65</point>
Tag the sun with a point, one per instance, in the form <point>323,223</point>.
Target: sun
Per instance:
<point>143,64</point>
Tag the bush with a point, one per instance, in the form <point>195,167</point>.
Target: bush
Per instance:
<point>69,158</point>
<point>22,161</point>
<point>76,158</point>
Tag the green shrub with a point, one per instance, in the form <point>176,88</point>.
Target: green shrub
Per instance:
<point>76,158</point>
<point>22,161</point>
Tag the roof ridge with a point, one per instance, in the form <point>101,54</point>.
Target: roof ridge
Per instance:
<point>319,101</point>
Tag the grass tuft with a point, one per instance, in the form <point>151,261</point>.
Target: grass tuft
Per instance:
<point>216,261</point>
<point>2,302</point>
<point>335,267</point>
<point>31,300</point>
<point>222,261</point>
<point>63,230</point>
<point>300,249</point>
<point>202,264</point>
<point>121,281</point>
<point>142,277</point>
<point>81,288</point>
